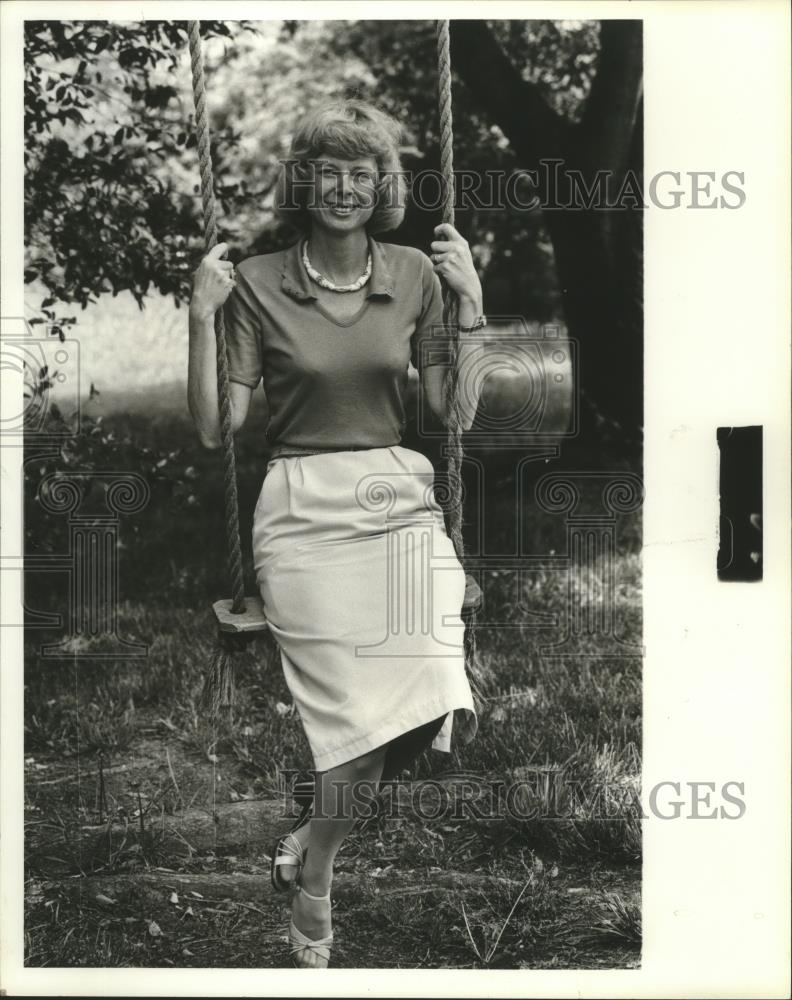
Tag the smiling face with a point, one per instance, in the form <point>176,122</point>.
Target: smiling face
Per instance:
<point>344,192</point>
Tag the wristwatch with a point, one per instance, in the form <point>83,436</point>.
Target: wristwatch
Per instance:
<point>477,324</point>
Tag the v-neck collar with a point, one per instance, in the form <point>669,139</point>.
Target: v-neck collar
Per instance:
<point>342,322</point>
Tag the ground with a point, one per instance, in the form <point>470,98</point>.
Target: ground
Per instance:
<point>570,914</point>
<point>126,744</point>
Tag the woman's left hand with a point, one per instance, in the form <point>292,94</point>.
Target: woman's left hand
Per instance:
<point>453,261</point>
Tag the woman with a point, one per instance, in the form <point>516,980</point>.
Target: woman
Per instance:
<point>359,581</point>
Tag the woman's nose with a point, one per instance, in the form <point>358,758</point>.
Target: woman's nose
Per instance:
<point>343,183</point>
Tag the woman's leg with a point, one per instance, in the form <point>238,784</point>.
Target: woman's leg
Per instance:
<point>399,754</point>
<point>337,794</point>
<point>334,815</point>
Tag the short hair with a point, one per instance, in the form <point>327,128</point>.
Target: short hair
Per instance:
<point>347,129</point>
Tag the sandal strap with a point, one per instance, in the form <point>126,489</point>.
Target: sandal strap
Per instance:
<point>287,859</point>
<point>299,888</point>
<point>286,853</point>
<point>320,950</point>
<point>324,944</point>
<point>301,942</point>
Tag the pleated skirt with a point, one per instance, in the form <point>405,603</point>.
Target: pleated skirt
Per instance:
<point>363,593</point>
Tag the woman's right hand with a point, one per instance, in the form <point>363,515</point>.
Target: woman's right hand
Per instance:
<point>213,282</point>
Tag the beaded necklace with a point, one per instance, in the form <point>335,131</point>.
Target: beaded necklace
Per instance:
<point>326,283</point>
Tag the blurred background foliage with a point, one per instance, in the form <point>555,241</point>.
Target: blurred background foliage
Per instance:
<point>111,195</point>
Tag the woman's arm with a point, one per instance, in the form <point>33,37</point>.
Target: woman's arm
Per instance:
<point>212,285</point>
<point>202,394</point>
<point>452,259</point>
<point>436,379</point>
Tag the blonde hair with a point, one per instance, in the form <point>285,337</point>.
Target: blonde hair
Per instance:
<point>347,129</point>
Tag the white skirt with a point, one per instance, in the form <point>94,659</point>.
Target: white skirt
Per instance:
<point>363,591</point>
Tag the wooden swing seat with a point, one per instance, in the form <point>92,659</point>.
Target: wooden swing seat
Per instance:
<point>253,619</point>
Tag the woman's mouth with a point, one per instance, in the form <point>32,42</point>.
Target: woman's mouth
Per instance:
<point>342,211</point>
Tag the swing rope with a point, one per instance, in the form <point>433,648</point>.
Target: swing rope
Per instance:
<point>224,399</point>
<point>219,683</point>
<point>451,324</point>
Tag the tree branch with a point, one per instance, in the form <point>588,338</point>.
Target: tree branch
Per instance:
<point>534,130</point>
<point>606,129</point>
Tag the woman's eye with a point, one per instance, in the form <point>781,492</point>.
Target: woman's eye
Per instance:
<point>329,173</point>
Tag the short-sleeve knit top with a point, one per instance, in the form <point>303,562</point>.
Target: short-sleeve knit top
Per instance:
<point>332,384</point>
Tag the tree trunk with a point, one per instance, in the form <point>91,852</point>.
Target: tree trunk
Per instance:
<point>194,890</point>
<point>241,826</point>
<point>598,252</point>
<point>256,823</point>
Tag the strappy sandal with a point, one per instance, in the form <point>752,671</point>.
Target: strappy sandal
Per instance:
<point>287,849</point>
<point>299,942</point>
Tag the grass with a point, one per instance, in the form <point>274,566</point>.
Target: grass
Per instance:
<point>127,738</point>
